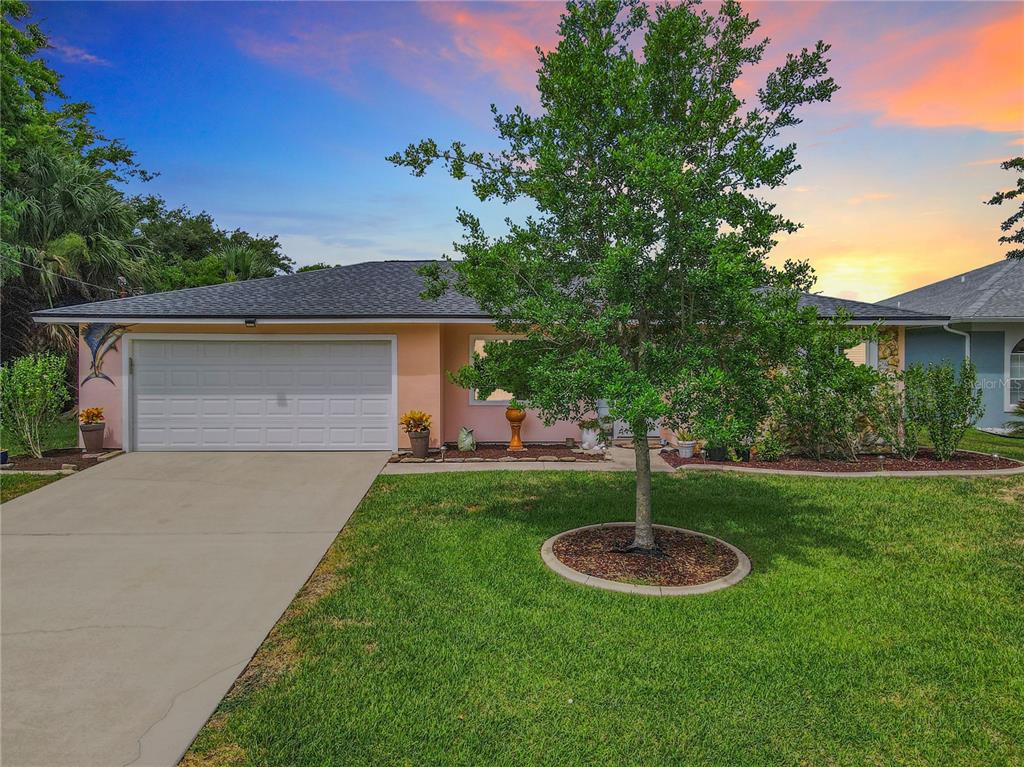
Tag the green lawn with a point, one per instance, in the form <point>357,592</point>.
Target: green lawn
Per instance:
<point>13,484</point>
<point>881,625</point>
<point>63,433</point>
<point>983,442</point>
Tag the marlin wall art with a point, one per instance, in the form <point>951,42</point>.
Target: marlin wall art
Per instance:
<point>100,339</point>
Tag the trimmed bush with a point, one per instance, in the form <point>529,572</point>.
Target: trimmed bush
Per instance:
<point>950,404</point>
<point>899,417</point>
<point>32,394</point>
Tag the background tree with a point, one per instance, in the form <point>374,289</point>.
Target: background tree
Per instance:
<point>187,247</point>
<point>643,269</point>
<point>1013,237</point>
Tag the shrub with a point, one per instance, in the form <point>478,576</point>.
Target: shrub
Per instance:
<point>770,444</point>
<point>823,398</point>
<point>950,405</point>
<point>899,411</point>
<point>415,420</point>
<point>32,393</point>
<point>1015,428</point>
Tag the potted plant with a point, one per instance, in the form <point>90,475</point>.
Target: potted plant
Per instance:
<point>416,424</point>
<point>92,425</point>
<point>515,414</point>
<point>685,443</point>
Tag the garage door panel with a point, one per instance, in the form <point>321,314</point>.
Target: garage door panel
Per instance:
<point>263,395</point>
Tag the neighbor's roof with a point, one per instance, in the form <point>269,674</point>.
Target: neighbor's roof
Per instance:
<point>371,290</point>
<point>993,292</point>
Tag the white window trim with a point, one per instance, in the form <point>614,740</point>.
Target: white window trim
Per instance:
<point>128,378</point>
<point>473,338</point>
<point>1012,337</point>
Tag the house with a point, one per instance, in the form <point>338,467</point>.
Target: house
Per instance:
<point>986,324</point>
<point>321,360</point>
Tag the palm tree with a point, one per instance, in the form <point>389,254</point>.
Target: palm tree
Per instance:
<point>244,262</point>
<point>71,231</point>
<point>67,234</point>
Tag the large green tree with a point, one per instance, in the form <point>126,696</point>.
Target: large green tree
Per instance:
<point>190,250</point>
<point>1012,227</point>
<point>641,280</point>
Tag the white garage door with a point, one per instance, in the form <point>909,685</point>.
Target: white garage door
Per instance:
<point>263,395</point>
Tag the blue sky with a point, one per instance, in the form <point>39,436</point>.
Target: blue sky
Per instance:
<point>276,118</point>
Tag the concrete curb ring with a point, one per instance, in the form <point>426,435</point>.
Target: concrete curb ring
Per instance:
<point>742,569</point>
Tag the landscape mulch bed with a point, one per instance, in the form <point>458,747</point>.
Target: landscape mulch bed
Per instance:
<point>494,452</point>
<point>686,559</point>
<point>925,461</point>
<point>53,459</point>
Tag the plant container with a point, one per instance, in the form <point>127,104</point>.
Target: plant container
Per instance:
<point>3,458</point>
<point>717,453</point>
<point>686,448</point>
<point>420,441</point>
<point>515,417</point>
<point>92,436</point>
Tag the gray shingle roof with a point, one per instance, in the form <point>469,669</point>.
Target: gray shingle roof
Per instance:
<point>371,290</point>
<point>991,292</point>
<point>861,310</point>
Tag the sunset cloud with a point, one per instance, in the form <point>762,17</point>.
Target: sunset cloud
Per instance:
<point>959,77</point>
<point>870,197</point>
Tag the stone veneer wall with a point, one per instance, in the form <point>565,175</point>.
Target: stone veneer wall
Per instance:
<point>889,349</point>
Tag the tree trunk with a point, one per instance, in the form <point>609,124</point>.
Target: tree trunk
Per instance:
<point>643,538</point>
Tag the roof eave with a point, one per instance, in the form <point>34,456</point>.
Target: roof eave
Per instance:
<point>136,319</point>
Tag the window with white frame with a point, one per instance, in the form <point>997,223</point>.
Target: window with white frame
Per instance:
<point>1017,373</point>
<point>476,344</point>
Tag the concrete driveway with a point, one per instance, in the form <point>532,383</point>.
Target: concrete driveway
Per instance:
<point>135,592</point>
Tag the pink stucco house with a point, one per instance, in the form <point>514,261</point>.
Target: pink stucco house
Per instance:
<point>322,360</point>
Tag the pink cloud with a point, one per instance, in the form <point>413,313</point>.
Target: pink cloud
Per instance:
<point>75,55</point>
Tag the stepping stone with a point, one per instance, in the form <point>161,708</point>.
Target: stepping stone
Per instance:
<point>547,458</point>
<point>567,458</point>
<point>409,459</point>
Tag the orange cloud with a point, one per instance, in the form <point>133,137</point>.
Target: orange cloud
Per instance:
<point>971,77</point>
<point>870,197</point>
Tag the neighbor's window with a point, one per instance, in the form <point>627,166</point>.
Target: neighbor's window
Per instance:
<point>498,395</point>
<point>1017,373</point>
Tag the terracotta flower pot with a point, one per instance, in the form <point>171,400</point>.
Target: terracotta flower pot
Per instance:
<point>420,441</point>
<point>92,436</point>
<point>515,417</point>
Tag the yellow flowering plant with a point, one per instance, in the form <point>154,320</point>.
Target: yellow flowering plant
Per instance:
<point>91,415</point>
<point>415,421</point>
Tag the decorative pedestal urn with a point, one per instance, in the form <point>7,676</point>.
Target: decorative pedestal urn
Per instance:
<point>420,441</point>
<point>92,436</point>
<point>515,417</point>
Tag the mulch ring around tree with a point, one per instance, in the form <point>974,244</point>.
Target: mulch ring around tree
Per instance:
<point>53,460</point>
<point>685,558</point>
<point>925,461</point>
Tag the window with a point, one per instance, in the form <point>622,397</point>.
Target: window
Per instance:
<point>477,346</point>
<point>1017,373</point>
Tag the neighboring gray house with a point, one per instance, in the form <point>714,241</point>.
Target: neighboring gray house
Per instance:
<point>986,323</point>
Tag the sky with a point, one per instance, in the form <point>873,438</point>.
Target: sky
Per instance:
<point>276,118</point>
